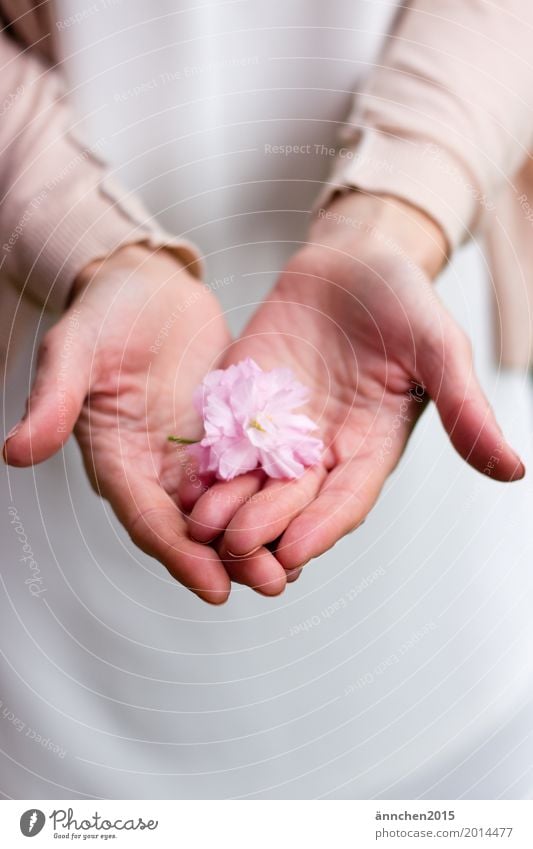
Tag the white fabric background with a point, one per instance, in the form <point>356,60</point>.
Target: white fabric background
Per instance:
<point>150,693</point>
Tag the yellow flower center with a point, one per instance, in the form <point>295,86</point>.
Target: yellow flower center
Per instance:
<point>255,424</point>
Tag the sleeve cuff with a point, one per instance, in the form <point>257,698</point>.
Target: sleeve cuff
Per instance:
<point>418,171</point>
<point>55,242</point>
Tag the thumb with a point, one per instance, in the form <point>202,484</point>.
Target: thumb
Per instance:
<point>450,380</point>
<point>60,387</point>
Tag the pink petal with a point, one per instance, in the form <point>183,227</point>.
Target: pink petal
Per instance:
<point>237,460</point>
<point>200,454</point>
<point>249,420</point>
<point>281,464</point>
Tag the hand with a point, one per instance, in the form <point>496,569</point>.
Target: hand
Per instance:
<point>120,368</point>
<point>360,324</point>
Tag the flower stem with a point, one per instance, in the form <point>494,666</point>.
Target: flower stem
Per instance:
<point>179,440</point>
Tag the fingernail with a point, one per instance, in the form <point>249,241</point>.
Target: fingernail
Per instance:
<point>520,471</point>
<point>247,554</point>
<point>14,430</point>
<point>267,594</point>
<point>203,541</point>
<point>292,574</point>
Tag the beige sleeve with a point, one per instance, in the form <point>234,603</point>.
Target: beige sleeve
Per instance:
<point>59,207</point>
<point>445,119</point>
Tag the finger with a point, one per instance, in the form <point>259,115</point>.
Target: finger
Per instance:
<point>157,527</point>
<point>266,515</point>
<point>216,507</point>
<point>192,485</point>
<point>260,571</point>
<point>59,390</point>
<point>347,496</point>
<point>465,412</point>
<point>190,489</point>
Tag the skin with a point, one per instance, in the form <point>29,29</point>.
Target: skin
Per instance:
<point>360,324</point>
<point>354,317</point>
<point>123,399</point>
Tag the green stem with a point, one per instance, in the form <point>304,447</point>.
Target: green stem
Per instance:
<point>179,440</point>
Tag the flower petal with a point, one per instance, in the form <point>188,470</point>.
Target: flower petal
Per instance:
<point>239,458</point>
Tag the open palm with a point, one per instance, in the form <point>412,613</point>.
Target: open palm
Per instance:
<point>365,331</point>
<point>120,368</point>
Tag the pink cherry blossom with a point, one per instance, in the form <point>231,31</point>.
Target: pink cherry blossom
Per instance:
<point>249,423</point>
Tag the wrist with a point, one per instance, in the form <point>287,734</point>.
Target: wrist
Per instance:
<point>390,221</point>
<point>128,258</point>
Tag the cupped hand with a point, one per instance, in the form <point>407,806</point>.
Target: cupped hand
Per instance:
<point>359,323</point>
<point>119,369</point>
